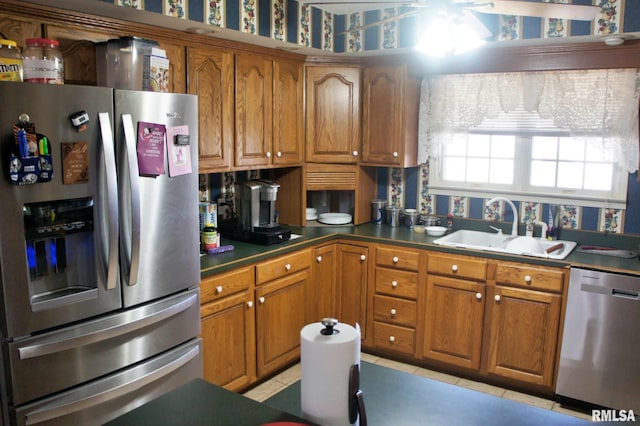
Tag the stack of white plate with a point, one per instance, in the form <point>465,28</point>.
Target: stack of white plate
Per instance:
<point>312,214</point>
<point>335,218</point>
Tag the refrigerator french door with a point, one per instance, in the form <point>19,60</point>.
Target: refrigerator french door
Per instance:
<point>99,266</point>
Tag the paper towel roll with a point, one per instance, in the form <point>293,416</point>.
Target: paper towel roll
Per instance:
<point>325,363</point>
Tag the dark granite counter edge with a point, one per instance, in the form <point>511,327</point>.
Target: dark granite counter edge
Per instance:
<point>246,253</point>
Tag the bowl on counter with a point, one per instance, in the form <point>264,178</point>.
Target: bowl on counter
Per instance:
<point>420,229</point>
<point>436,231</point>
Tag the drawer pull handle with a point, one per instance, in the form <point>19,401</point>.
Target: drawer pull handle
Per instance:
<point>319,259</point>
<point>393,311</point>
<point>249,304</point>
<point>279,154</point>
<point>287,267</point>
<point>497,297</point>
<point>394,284</point>
<point>363,257</point>
<point>395,259</point>
<point>395,154</point>
<point>355,153</point>
<point>478,295</point>
<point>268,154</point>
<point>527,278</point>
<point>261,300</point>
<point>392,339</point>
<point>219,289</point>
<point>454,268</point>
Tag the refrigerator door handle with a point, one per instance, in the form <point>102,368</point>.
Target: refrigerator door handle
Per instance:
<point>128,323</point>
<point>112,198</point>
<point>99,396</point>
<point>132,160</point>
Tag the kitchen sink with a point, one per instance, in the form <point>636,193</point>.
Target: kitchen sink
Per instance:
<point>502,243</point>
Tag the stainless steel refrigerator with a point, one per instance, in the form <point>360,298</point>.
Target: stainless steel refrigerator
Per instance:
<point>99,253</point>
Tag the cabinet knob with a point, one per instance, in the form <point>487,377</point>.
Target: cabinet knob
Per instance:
<point>497,297</point>
<point>395,154</point>
<point>219,289</point>
<point>355,153</point>
<point>363,257</point>
<point>393,312</point>
<point>268,154</point>
<point>319,259</point>
<point>261,300</point>
<point>454,268</point>
<point>527,278</point>
<point>394,284</point>
<point>279,154</point>
<point>395,259</point>
<point>249,304</point>
<point>478,296</point>
<point>392,339</point>
<point>287,267</point>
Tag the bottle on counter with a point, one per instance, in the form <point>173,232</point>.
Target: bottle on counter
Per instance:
<point>10,61</point>
<point>209,237</point>
<point>42,61</point>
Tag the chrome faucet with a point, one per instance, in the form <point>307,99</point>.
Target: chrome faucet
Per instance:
<point>514,229</point>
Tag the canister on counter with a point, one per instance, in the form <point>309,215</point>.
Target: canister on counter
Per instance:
<point>42,61</point>
<point>410,217</point>
<point>377,211</point>
<point>10,61</point>
<point>209,237</point>
<point>393,216</point>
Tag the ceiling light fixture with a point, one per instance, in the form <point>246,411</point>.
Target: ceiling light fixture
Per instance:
<point>449,34</point>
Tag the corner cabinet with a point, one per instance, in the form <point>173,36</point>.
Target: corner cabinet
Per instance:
<point>210,74</point>
<point>390,103</point>
<point>351,285</point>
<point>332,114</point>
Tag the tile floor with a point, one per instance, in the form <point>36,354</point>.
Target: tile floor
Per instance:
<point>287,377</point>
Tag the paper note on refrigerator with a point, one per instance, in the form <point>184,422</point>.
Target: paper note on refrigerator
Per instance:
<point>151,148</point>
<point>179,150</point>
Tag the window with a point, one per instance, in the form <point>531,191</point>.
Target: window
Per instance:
<point>550,136</point>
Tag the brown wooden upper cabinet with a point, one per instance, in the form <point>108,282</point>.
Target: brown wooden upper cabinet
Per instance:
<point>390,102</point>
<point>288,113</point>
<point>210,74</point>
<point>332,114</point>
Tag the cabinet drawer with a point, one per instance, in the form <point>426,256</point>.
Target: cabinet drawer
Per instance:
<point>530,276</point>
<point>282,266</point>
<point>225,284</point>
<point>395,311</point>
<point>458,266</point>
<point>394,337</point>
<point>397,283</point>
<point>396,257</point>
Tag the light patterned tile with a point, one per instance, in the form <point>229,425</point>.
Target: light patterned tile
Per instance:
<point>304,25</point>
<point>610,18</point>
<point>436,375</point>
<point>354,38</point>
<point>400,366</point>
<point>279,20</point>
<point>214,12</point>
<point>427,202</point>
<point>396,187</point>
<point>493,211</point>
<point>264,390</point>
<point>530,211</point>
<point>133,4</point>
<point>570,217</point>
<point>249,16</point>
<point>327,31</point>
<point>509,27</point>
<point>481,387</point>
<point>555,27</point>
<point>389,33</point>
<point>611,220</point>
<point>528,399</point>
<point>459,206</point>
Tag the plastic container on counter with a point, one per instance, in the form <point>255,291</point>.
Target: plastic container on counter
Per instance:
<point>10,61</point>
<point>209,237</point>
<point>42,61</point>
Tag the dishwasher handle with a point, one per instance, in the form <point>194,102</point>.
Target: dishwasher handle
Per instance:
<point>615,292</point>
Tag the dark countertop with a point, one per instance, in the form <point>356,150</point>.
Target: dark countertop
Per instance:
<point>396,398</point>
<point>246,253</point>
<point>201,403</point>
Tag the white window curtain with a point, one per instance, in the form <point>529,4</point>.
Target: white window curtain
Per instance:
<point>601,105</point>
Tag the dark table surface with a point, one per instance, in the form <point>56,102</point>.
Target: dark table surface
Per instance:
<point>396,398</point>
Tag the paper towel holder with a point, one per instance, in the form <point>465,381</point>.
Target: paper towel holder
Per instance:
<point>329,324</point>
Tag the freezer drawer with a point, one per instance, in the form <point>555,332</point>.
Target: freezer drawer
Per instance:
<point>107,398</point>
<point>77,354</point>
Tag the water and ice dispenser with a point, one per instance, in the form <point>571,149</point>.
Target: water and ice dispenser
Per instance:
<point>59,241</point>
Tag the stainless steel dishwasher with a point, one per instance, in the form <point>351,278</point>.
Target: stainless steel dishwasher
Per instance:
<point>600,355</point>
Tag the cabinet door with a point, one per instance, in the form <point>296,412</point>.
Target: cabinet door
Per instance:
<point>288,119</point>
<point>228,335</point>
<point>322,291</point>
<point>382,115</point>
<point>254,97</point>
<point>351,286</point>
<point>211,78</point>
<point>332,114</point>
<point>280,315</point>
<point>524,332</point>
<point>454,321</point>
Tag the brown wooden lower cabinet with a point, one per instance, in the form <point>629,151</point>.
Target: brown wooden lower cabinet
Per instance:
<point>524,334</point>
<point>454,321</point>
<point>321,293</point>
<point>351,285</point>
